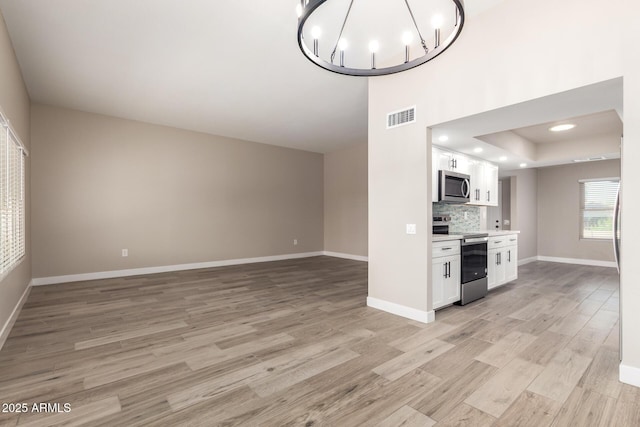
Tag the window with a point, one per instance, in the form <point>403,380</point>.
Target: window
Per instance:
<point>12,209</point>
<point>597,204</point>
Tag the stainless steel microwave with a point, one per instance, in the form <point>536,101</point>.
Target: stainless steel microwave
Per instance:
<point>453,187</point>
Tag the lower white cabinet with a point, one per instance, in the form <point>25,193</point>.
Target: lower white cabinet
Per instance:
<point>502,260</point>
<point>445,271</point>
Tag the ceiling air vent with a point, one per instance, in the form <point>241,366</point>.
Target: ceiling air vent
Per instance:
<point>402,117</point>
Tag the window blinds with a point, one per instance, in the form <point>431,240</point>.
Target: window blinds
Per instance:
<point>597,203</point>
<point>12,199</point>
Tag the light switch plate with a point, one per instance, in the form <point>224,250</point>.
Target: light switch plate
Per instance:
<point>411,229</point>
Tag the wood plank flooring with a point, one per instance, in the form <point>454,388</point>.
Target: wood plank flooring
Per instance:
<point>292,343</point>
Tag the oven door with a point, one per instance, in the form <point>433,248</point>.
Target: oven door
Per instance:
<point>474,259</point>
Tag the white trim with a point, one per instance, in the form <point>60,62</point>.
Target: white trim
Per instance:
<point>630,375</point>
<point>613,178</point>
<point>346,256</point>
<point>40,281</point>
<point>591,262</point>
<point>527,260</point>
<point>401,310</point>
<point>6,329</point>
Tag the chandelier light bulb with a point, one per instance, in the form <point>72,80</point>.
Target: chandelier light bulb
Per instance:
<point>437,21</point>
<point>374,46</point>
<point>299,10</point>
<point>342,45</point>
<point>316,32</point>
<point>407,38</point>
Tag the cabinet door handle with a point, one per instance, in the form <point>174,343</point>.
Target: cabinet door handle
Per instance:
<point>498,242</point>
<point>449,269</point>
<point>446,249</point>
<point>508,256</point>
<point>512,240</point>
<point>445,270</point>
<point>488,196</point>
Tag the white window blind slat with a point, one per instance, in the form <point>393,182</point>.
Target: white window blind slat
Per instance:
<point>597,203</point>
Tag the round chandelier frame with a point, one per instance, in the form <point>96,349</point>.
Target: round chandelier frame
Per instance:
<point>305,10</point>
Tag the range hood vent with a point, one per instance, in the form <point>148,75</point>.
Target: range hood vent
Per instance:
<point>402,117</point>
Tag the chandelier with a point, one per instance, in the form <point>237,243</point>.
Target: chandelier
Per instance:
<point>376,37</point>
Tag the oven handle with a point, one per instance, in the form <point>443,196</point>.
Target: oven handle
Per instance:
<point>474,241</point>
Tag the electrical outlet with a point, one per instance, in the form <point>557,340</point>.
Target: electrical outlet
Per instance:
<point>295,242</point>
<point>411,229</point>
<point>125,252</point>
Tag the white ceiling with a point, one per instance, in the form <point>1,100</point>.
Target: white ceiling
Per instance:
<point>229,68</point>
<point>505,132</point>
<point>603,123</point>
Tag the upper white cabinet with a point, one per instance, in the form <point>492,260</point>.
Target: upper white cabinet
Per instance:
<point>491,181</point>
<point>478,182</point>
<point>484,175</point>
<point>450,161</point>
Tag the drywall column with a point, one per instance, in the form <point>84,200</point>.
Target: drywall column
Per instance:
<point>630,173</point>
<point>399,194</point>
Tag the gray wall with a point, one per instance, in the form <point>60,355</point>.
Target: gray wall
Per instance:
<point>169,196</point>
<point>559,211</point>
<point>524,210</point>
<point>345,201</point>
<point>14,101</point>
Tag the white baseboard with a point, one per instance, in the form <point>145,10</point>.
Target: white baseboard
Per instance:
<point>346,256</point>
<point>630,375</point>
<point>40,281</point>
<point>401,310</point>
<point>6,329</point>
<point>591,262</point>
<point>527,260</point>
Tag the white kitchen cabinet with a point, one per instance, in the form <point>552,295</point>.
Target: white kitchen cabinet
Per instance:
<point>478,182</point>
<point>483,175</point>
<point>496,272</point>
<point>451,161</point>
<point>491,183</point>
<point>502,260</point>
<point>511,261</point>
<point>435,168</point>
<point>445,273</point>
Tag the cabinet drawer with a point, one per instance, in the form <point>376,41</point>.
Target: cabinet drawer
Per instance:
<point>447,248</point>
<point>498,242</point>
<point>512,239</point>
<point>502,241</point>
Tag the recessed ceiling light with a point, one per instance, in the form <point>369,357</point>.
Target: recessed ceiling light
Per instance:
<point>560,128</point>
<point>523,165</point>
<point>503,158</point>
<point>443,138</point>
<point>477,150</point>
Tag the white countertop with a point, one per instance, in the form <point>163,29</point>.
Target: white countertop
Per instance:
<point>491,233</point>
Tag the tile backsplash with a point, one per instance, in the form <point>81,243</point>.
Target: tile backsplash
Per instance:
<point>458,222</point>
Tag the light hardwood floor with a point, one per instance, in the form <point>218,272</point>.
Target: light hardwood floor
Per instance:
<point>292,343</point>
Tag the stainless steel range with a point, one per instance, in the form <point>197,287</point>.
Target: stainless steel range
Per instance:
<point>473,274</point>
<point>473,262</point>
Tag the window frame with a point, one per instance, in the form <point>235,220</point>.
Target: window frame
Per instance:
<point>581,208</point>
<point>12,198</point>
